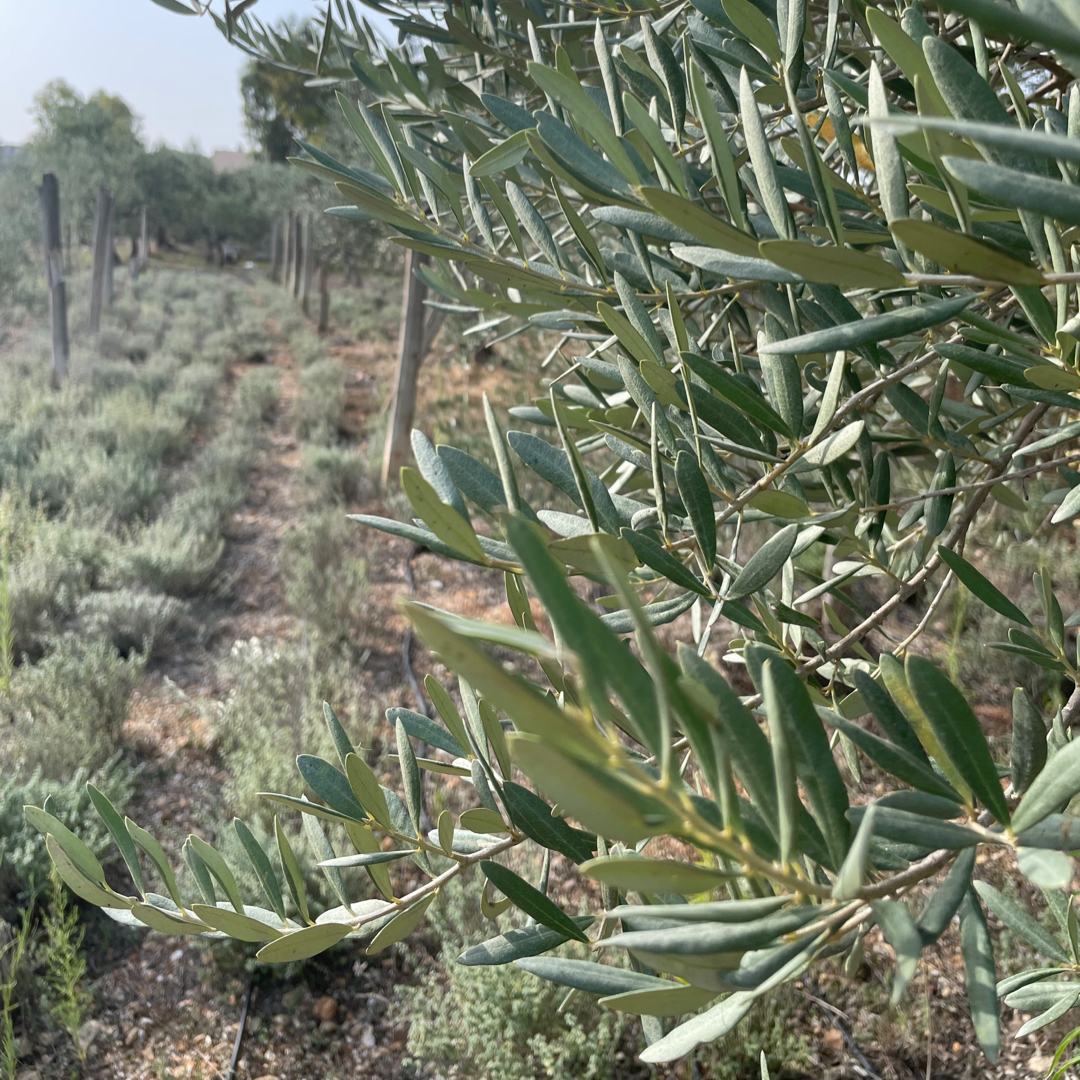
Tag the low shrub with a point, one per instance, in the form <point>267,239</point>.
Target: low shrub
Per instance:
<point>24,863</point>
<point>273,711</point>
<point>500,1023</point>
<point>306,347</point>
<point>54,564</point>
<point>173,555</point>
<point>325,575</point>
<point>318,411</point>
<point>131,620</point>
<point>257,396</point>
<point>88,481</point>
<point>68,708</point>
<point>335,474</point>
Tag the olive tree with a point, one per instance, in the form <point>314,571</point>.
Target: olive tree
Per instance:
<point>812,273</point>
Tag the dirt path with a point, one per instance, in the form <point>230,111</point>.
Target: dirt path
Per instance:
<point>168,1007</point>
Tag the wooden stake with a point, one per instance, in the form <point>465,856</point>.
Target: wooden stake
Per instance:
<point>305,288</point>
<point>324,299</point>
<point>97,273</point>
<point>298,255</point>
<point>49,200</point>
<point>287,250</point>
<point>274,251</point>
<point>110,252</point>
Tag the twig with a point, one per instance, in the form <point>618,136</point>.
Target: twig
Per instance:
<point>955,540</point>
<point>392,907</point>
<point>1070,714</point>
<point>925,621</point>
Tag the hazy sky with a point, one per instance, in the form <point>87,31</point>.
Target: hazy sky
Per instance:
<point>176,72</point>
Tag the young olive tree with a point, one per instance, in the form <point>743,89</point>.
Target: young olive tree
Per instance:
<point>815,265</point>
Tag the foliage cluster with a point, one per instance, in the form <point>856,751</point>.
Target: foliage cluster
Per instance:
<point>818,264</point>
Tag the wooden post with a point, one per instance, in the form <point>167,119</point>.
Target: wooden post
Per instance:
<point>410,357</point>
<point>286,251</point>
<point>110,252</point>
<point>305,287</point>
<point>134,261</point>
<point>273,251</point>
<point>298,255</point>
<point>49,199</point>
<point>144,241</point>
<point>324,299</point>
<point>97,273</point>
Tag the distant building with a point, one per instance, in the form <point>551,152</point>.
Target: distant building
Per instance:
<point>229,161</point>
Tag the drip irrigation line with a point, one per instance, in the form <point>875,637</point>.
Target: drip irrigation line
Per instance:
<point>231,1074</point>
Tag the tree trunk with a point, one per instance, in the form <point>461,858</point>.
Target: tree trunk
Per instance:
<point>144,242</point>
<point>49,196</point>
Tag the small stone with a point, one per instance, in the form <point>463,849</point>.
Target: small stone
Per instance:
<point>833,1039</point>
<point>367,1036</point>
<point>325,1008</point>
<point>293,997</point>
<point>1040,1063</point>
<point>89,1032</point>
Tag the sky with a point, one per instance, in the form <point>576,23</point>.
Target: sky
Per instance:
<point>176,72</point>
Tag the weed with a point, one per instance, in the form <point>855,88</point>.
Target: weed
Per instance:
<point>65,968</point>
<point>12,954</point>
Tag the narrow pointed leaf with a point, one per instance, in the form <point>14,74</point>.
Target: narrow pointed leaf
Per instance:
<point>959,732</point>
<point>530,900</point>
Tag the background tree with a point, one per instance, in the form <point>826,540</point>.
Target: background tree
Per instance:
<point>87,142</point>
<point>278,107</point>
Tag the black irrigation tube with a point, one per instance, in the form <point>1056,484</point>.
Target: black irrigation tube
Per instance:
<point>231,1074</point>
